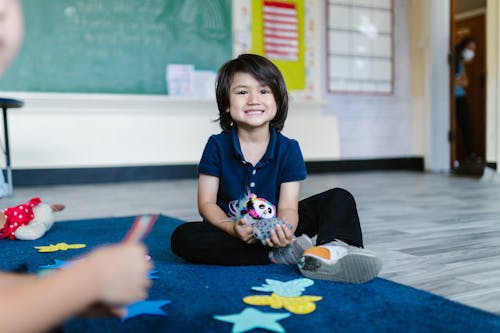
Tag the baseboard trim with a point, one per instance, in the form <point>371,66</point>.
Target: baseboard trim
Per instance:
<point>71,176</point>
<point>410,163</point>
<point>35,177</point>
<point>492,165</point>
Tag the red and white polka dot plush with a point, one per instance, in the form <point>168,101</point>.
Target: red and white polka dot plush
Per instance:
<point>18,216</point>
<point>27,221</point>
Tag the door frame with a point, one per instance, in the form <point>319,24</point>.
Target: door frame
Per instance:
<point>451,63</point>
<point>438,86</point>
<point>480,132</point>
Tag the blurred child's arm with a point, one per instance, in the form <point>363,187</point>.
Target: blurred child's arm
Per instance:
<point>114,275</point>
<point>462,80</point>
<point>9,280</point>
<point>210,211</point>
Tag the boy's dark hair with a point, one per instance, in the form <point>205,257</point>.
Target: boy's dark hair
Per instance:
<point>264,71</point>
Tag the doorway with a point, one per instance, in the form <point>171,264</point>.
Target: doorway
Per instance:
<point>469,19</point>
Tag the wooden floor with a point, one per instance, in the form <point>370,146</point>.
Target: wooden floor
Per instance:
<point>435,232</point>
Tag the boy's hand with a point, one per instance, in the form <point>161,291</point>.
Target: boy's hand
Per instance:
<point>281,236</point>
<point>244,231</point>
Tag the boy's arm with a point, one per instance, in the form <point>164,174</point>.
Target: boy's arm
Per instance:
<point>288,210</point>
<point>288,206</point>
<point>207,204</point>
<point>210,211</point>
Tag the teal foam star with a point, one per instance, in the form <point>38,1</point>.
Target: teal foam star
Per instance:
<point>251,318</point>
<point>145,308</point>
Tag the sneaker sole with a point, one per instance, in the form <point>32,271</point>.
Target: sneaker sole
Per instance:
<point>352,268</point>
<point>294,256</point>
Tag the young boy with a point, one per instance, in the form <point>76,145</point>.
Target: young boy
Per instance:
<point>251,154</point>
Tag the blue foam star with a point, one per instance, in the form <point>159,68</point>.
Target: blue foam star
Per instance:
<point>251,318</point>
<point>153,275</point>
<point>145,308</point>
<point>58,264</point>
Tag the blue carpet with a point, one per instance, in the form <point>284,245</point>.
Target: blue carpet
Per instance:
<point>197,292</point>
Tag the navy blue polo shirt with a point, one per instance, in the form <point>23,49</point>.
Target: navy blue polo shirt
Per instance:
<point>222,158</point>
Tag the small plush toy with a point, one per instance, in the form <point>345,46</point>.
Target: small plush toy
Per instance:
<point>28,221</point>
<point>259,212</point>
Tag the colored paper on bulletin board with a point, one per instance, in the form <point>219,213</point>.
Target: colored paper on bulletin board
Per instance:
<point>278,34</point>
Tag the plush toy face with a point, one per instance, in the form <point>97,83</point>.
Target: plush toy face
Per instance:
<point>253,207</point>
<point>262,209</point>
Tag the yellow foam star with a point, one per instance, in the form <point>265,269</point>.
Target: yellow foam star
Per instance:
<point>298,305</point>
<point>59,247</point>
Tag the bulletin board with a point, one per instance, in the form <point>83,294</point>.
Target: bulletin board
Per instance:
<point>278,34</point>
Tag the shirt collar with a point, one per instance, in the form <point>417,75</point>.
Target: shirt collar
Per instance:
<point>270,147</point>
<point>272,144</point>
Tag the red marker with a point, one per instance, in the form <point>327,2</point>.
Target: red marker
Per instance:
<point>140,228</point>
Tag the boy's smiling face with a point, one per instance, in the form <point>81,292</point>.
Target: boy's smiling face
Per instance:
<point>11,31</point>
<point>251,103</point>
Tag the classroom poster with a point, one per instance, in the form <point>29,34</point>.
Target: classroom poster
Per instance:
<point>278,34</point>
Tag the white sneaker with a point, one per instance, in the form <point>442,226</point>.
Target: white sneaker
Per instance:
<point>292,254</point>
<point>338,261</point>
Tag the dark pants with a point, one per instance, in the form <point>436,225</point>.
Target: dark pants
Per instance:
<point>463,121</point>
<point>331,215</point>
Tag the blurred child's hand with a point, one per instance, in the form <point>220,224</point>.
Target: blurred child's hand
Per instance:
<point>102,310</point>
<point>121,273</point>
<point>244,231</point>
<point>281,236</point>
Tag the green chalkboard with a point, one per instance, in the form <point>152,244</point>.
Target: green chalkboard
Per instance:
<point>116,46</point>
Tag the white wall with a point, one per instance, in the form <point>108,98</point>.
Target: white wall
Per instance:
<point>430,39</point>
<point>73,130</point>
<point>93,130</point>
<point>419,76</point>
<point>377,126</point>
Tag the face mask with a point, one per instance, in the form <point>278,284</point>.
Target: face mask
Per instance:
<point>467,54</point>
